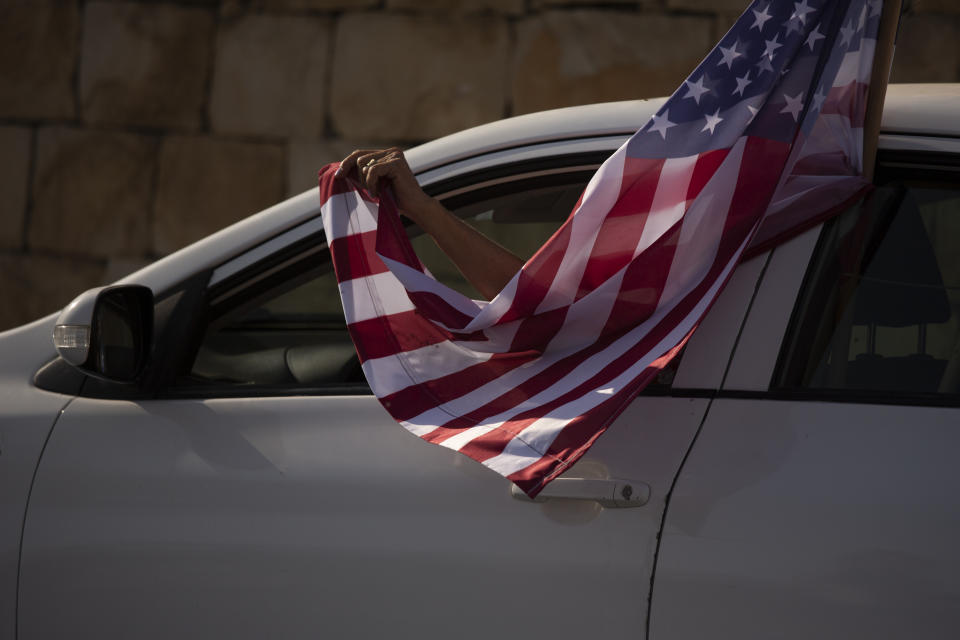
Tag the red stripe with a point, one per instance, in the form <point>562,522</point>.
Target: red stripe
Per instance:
<point>537,275</point>
<point>412,401</point>
<point>623,225</point>
<point>331,186</point>
<point>386,335</point>
<point>347,261</point>
<point>849,100</point>
<point>392,240</point>
<point>436,308</point>
<point>734,233</point>
<point>493,443</point>
<point>832,163</point>
<point>643,282</point>
<point>581,433</point>
<point>706,165</point>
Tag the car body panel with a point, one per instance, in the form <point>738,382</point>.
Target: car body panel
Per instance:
<point>800,519</point>
<point>803,513</point>
<point>304,516</point>
<point>29,414</point>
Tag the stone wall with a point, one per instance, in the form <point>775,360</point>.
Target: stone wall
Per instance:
<point>129,129</point>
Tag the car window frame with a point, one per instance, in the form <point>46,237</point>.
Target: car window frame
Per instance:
<point>455,191</point>
<point>891,164</point>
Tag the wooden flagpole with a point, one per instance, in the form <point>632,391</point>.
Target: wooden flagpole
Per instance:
<point>879,78</point>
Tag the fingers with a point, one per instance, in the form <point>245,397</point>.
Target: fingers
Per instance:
<point>391,166</point>
<point>349,163</point>
<point>361,158</point>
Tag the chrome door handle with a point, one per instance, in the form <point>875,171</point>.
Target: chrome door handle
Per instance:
<point>608,492</point>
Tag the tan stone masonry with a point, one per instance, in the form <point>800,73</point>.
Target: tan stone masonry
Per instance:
<point>130,128</point>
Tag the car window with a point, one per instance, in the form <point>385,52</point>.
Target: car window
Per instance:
<point>292,333</point>
<point>880,309</point>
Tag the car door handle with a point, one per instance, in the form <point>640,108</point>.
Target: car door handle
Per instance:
<point>608,492</point>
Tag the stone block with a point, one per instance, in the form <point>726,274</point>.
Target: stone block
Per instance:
<point>540,4</point>
<point>14,172</point>
<point>91,191</point>
<point>306,157</point>
<point>42,284</point>
<point>270,76</point>
<point>928,49</point>
<point>578,57</point>
<point>206,184</point>
<point>121,267</point>
<point>314,5</point>
<point>145,65</point>
<point>936,6</point>
<point>509,7</point>
<point>402,77</point>
<point>722,23</point>
<point>709,6</point>
<point>38,57</point>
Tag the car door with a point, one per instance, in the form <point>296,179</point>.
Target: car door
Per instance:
<point>820,498</point>
<point>258,490</point>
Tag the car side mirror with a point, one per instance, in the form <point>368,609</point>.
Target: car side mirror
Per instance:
<point>106,332</point>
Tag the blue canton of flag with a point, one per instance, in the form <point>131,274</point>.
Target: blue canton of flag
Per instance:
<point>779,60</point>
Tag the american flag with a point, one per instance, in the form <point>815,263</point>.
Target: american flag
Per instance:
<point>763,138</point>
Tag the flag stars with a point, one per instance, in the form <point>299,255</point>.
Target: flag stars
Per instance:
<point>794,105</point>
<point>729,55</point>
<point>764,64</point>
<point>813,37</point>
<point>874,7</point>
<point>818,98</point>
<point>662,123</point>
<point>695,89</point>
<point>794,24</point>
<point>712,121</point>
<point>760,18</point>
<point>800,11</point>
<point>846,34</point>
<point>772,46</point>
<point>753,112</point>
<point>742,83</point>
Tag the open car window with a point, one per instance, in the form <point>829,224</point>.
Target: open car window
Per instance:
<point>284,329</point>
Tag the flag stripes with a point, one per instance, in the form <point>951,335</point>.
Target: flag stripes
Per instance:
<point>525,384</point>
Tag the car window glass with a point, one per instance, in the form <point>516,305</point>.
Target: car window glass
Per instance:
<point>294,335</point>
<point>880,311</point>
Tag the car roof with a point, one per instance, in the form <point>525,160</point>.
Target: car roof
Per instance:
<point>929,109</point>
<point>922,110</point>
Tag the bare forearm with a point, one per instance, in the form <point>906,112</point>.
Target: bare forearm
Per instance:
<point>484,263</point>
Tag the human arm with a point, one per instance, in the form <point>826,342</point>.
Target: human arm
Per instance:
<point>484,263</point>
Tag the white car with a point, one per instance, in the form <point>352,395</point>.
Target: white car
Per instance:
<point>236,479</point>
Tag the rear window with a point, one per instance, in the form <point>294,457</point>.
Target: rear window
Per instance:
<point>880,309</point>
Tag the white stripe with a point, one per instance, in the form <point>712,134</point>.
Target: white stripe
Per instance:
<point>598,198</point>
<point>525,449</point>
<point>587,316</point>
<point>702,228</point>
<point>584,371</point>
<point>392,373</point>
<point>417,281</point>
<point>372,296</point>
<point>856,65</point>
<point>347,213</point>
<point>494,310</point>
<point>669,200</point>
<point>695,255</point>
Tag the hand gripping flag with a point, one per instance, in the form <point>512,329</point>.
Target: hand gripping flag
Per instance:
<point>761,140</point>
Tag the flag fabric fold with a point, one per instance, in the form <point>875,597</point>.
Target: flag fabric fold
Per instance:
<point>762,140</point>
